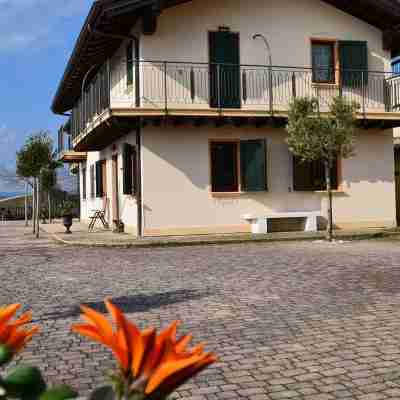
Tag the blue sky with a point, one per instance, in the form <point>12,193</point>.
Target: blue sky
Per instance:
<point>36,40</point>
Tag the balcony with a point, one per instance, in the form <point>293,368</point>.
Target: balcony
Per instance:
<point>178,89</point>
<point>65,151</point>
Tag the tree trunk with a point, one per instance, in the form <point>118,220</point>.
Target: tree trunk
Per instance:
<point>34,206</point>
<point>26,203</point>
<point>329,230</point>
<point>49,204</point>
<point>37,207</point>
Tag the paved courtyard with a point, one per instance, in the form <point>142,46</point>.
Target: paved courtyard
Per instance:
<point>310,321</point>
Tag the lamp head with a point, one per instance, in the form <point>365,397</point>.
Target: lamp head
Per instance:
<point>256,36</point>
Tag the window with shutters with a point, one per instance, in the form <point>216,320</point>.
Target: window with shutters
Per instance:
<point>84,183</point>
<point>238,166</point>
<point>101,178</point>
<point>343,62</point>
<point>129,161</point>
<point>323,61</point>
<point>310,176</point>
<point>92,181</point>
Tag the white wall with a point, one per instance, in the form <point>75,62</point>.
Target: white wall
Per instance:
<point>127,203</point>
<point>176,171</point>
<point>288,25</point>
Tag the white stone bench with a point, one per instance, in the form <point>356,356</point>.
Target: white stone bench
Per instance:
<point>260,224</point>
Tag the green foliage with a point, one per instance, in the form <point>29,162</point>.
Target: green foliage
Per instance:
<point>6,355</point>
<point>103,393</point>
<point>67,208</point>
<point>63,392</point>
<point>316,137</point>
<point>36,155</point>
<point>24,383</point>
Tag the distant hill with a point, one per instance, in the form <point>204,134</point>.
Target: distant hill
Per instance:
<point>4,195</point>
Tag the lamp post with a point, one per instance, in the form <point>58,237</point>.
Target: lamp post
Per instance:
<point>269,60</point>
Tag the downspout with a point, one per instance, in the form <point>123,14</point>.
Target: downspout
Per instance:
<point>139,196</point>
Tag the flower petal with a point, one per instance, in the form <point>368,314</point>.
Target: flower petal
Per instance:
<point>169,368</point>
<point>6,313</point>
<point>98,319</point>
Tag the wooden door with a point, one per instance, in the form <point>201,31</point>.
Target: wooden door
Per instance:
<point>224,69</point>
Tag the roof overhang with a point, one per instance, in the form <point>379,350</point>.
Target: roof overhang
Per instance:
<point>117,18</point>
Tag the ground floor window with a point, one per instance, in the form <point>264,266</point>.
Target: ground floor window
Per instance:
<point>101,178</point>
<point>92,181</point>
<point>129,166</point>
<point>238,166</point>
<point>310,176</point>
<point>84,183</point>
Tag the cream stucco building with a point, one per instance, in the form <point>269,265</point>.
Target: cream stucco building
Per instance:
<point>181,118</point>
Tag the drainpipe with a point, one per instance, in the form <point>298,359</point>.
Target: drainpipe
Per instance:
<point>139,196</point>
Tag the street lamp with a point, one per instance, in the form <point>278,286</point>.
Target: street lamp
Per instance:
<point>268,47</point>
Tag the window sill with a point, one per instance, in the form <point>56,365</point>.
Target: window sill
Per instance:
<point>338,191</point>
<point>325,85</point>
<point>222,195</point>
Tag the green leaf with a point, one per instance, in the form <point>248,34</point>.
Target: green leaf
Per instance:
<point>24,383</point>
<point>103,393</point>
<point>63,392</point>
<point>6,354</point>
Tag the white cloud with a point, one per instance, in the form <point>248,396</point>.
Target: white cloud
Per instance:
<point>35,23</point>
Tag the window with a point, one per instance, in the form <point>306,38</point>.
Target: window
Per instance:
<point>92,181</point>
<point>310,176</point>
<point>238,166</point>
<point>101,178</point>
<point>84,183</point>
<point>129,160</point>
<point>129,65</point>
<point>323,61</point>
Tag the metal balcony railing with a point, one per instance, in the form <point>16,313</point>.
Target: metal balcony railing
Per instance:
<point>195,87</point>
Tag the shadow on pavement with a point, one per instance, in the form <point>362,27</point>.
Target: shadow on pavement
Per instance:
<point>129,304</point>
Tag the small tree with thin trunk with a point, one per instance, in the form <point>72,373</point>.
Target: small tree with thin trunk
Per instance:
<point>35,157</point>
<point>316,137</point>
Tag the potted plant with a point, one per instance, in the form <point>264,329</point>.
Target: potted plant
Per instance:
<point>67,214</point>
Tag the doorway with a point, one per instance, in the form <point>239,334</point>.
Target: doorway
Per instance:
<point>224,57</point>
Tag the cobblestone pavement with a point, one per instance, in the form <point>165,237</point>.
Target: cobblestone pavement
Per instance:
<point>310,321</point>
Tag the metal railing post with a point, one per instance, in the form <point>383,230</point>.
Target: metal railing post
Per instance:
<point>363,94</point>
<point>294,92</point>
<point>219,87</point>
<point>192,85</point>
<point>165,88</point>
<point>271,95</point>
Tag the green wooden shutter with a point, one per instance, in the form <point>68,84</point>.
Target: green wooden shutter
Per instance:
<point>253,165</point>
<point>224,48</point>
<point>134,171</point>
<point>353,58</point>
<point>99,179</point>
<point>127,168</point>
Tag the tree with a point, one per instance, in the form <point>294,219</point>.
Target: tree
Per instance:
<point>33,159</point>
<point>314,137</point>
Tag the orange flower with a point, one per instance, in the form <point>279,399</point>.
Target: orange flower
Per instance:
<point>12,335</point>
<point>151,364</point>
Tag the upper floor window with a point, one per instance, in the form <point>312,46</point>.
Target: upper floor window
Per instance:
<point>323,61</point>
<point>343,62</point>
